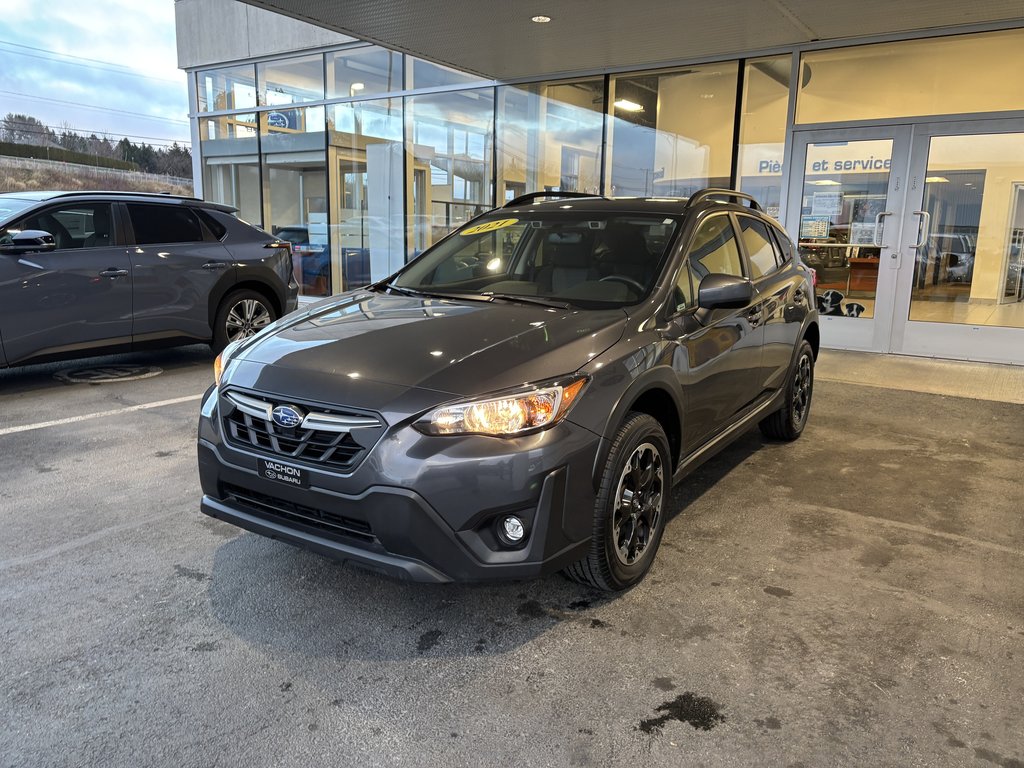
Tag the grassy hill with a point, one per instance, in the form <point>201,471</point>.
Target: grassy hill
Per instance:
<point>23,175</point>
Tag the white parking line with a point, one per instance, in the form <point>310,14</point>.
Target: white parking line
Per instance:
<point>100,414</point>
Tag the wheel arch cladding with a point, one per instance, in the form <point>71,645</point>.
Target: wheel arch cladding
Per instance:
<point>653,396</point>
<point>813,337</point>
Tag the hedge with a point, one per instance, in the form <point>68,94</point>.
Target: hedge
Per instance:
<point>63,155</point>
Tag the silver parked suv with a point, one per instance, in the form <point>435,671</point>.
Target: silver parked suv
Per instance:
<point>521,397</point>
<point>83,273</point>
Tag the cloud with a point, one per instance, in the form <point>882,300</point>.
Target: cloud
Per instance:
<point>126,77</point>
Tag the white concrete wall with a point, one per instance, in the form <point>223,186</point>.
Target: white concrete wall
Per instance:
<point>219,31</point>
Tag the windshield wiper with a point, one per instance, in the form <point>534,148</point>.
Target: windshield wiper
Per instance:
<point>538,300</point>
<point>394,288</point>
<point>432,294</point>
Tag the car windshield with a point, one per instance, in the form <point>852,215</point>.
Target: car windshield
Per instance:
<point>583,259</point>
<point>12,206</point>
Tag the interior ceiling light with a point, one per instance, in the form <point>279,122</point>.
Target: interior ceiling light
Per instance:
<point>936,180</point>
<point>628,106</point>
<point>825,183</point>
<point>540,19</point>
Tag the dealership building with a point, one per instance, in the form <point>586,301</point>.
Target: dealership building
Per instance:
<point>887,137</point>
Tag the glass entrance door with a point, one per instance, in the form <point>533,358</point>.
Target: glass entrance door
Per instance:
<point>961,293</point>
<point>846,212</point>
<point>917,236</point>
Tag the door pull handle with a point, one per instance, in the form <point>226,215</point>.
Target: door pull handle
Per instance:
<point>114,272</point>
<point>214,265</point>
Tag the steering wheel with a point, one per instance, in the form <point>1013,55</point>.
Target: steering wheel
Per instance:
<point>628,281</point>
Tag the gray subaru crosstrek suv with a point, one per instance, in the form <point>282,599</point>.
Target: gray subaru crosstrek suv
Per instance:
<point>520,398</point>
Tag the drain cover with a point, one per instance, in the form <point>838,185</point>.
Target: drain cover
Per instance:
<point>108,373</point>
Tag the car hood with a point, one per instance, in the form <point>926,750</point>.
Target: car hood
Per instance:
<point>451,346</point>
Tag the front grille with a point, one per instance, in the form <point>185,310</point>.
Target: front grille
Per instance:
<point>310,517</point>
<point>321,447</point>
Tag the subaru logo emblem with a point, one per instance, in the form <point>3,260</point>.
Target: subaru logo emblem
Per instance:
<point>287,416</point>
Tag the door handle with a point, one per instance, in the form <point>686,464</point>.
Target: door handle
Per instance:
<point>214,265</point>
<point>112,272</point>
<point>922,232</point>
<point>876,237</point>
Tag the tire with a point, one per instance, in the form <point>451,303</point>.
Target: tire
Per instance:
<point>789,421</point>
<point>619,555</point>
<point>241,314</point>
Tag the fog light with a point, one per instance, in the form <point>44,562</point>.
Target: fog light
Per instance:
<point>513,529</point>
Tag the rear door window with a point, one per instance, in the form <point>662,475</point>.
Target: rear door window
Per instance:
<point>164,224</point>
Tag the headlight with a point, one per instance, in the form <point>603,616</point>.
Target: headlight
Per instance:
<point>222,360</point>
<point>509,415</point>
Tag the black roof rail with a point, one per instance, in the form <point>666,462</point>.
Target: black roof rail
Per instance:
<point>125,193</point>
<point>715,192</point>
<point>529,197</point>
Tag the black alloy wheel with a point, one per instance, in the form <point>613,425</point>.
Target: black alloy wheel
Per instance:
<point>789,421</point>
<point>629,513</point>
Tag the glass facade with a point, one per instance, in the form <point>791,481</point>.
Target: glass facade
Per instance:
<point>403,150</point>
<point>365,162</point>
<point>762,139</point>
<point>549,137</point>
<point>295,190</point>
<point>911,78</point>
<point>671,133</point>
<point>290,81</point>
<point>229,146</point>
<point>450,156</point>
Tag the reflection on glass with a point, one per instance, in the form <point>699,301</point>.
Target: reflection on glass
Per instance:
<point>231,163</point>
<point>450,150</point>
<point>968,267</point>
<point>295,191</point>
<point>227,88</point>
<point>357,72</point>
<point>937,76</point>
<point>763,129</point>
<point>671,132</point>
<point>364,150</point>
<point>426,74</point>
<point>549,137</point>
<point>845,191</point>
<point>290,81</point>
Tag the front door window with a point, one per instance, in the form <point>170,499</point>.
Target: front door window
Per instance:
<point>843,209</point>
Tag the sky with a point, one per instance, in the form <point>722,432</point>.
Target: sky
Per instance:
<point>95,65</point>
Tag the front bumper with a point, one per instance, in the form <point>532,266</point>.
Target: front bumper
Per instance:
<point>418,507</point>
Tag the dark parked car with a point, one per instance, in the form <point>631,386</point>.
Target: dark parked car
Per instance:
<point>83,273</point>
<point>520,398</point>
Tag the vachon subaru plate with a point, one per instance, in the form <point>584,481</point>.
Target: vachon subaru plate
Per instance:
<point>520,398</point>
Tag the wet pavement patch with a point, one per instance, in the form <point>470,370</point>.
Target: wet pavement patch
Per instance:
<point>771,723</point>
<point>663,683</point>
<point>428,640</point>
<point>699,711</point>
<point>531,609</point>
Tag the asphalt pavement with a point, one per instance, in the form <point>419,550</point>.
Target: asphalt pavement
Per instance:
<point>854,598</point>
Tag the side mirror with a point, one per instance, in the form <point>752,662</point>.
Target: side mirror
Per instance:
<point>724,292</point>
<point>28,241</point>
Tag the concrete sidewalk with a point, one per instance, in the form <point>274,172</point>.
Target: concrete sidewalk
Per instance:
<point>955,378</point>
